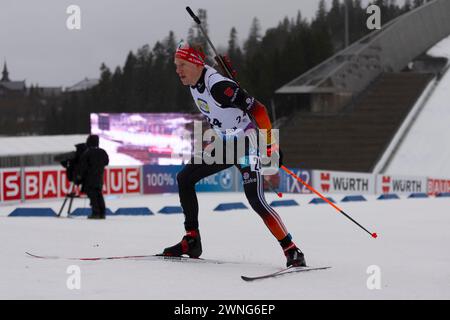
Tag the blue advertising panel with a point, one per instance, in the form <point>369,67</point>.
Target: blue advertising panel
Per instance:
<point>281,182</point>
<point>219,182</point>
<point>289,184</point>
<point>163,179</point>
<point>160,179</point>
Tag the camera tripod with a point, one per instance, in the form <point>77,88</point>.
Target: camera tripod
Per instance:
<point>70,195</point>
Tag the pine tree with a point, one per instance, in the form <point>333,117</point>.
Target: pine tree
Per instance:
<point>142,77</point>
<point>105,87</point>
<point>191,35</point>
<point>234,52</point>
<point>170,43</point>
<point>418,3</point>
<point>171,81</point>
<point>335,19</point>
<point>233,42</point>
<point>321,13</point>
<point>200,38</point>
<point>118,97</point>
<point>251,46</point>
<point>407,6</point>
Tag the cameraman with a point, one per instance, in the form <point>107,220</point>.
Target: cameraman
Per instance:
<point>71,161</point>
<point>90,175</point>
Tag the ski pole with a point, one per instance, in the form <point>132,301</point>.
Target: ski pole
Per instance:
<point>197,21</point>
<point>373,234</point>
<point>225,67</point>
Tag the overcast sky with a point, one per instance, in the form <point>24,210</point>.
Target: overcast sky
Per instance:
<point>40,49</point>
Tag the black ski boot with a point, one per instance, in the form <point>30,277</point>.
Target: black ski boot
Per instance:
<point>97,217</point>
<point>295,257</point>
<point>190,245</point>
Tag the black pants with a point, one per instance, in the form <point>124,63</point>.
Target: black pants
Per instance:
<point>97,202</point>
<point>253,187</point>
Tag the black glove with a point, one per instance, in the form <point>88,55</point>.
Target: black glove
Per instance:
<point>78,180</point>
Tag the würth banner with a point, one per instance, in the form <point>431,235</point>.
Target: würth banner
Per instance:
<point>343,182</point>
<point>401,184</point>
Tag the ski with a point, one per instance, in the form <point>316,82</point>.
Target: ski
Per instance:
<point>283,272</point>
<point>155,257</point>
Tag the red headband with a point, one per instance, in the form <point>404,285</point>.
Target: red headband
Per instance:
<point>191,55</point>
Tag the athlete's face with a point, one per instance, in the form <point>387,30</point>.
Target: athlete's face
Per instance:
<point>189,73</point>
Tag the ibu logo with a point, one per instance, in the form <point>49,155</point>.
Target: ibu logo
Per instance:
<point>225,179</point>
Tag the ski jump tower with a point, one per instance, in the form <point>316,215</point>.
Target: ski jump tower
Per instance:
<point>358,99</point>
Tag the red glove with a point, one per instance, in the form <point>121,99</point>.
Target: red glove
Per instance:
<point>274,150</point>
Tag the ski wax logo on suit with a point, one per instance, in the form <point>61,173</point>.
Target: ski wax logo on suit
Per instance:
<point>203,105</point>
<point>225,179</point>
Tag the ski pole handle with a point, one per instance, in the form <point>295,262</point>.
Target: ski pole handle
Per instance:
<point>196,19</point>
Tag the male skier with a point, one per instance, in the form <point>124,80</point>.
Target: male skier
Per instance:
<point>229,109</point>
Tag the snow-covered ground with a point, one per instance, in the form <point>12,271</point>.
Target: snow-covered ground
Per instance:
<point>411,252</point>
<point>426,149</point>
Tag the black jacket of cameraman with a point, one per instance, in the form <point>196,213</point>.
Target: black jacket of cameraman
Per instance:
<point>71,161</point>
<point>92,165</point>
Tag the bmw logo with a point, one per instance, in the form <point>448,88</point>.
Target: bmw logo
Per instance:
<point>225,179</point>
